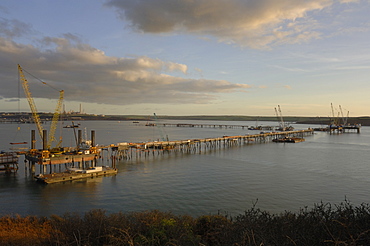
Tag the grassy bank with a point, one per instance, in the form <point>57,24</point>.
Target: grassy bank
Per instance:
<point>324,224</point>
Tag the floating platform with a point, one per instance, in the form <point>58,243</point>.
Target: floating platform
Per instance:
<point>75,174</point>
<point>288,140</point>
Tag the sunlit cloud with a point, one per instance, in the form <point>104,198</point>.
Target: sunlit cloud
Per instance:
<point>256,24</point>
<point>87,74</point>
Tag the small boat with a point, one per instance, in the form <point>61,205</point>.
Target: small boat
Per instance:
<point>255,128</point>
<point>19,143</point>
<point>71,126</point>
<point>288,140</point>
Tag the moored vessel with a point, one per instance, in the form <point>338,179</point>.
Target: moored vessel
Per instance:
<point>75,174</point>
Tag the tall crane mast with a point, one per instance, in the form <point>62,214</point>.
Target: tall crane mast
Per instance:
<point>35,114</point>
<point>161,132</point>
<point>279,116</point>
<point>335,121</point>
<point>32,104</point>
<point>344,119</point>
<point>54,121</point>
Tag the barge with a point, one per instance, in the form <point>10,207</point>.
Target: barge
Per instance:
<point>75,174</point>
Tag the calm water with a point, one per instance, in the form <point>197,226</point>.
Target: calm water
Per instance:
<point>279,177</point>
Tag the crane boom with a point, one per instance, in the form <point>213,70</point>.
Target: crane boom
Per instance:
<point>277,116</point>
<point>161,132</point>
<point>334,120</point>
<point>32,104</point>
<point>54,121</point>
<point>35,115</point>
<point>281,118</point>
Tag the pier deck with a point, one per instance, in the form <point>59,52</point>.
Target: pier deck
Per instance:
<point>267,128</point>
<point>136,150</point>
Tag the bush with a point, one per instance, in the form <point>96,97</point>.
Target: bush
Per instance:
<point>324,224</point>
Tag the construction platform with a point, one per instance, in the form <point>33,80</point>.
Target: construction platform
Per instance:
<point>53,159</point>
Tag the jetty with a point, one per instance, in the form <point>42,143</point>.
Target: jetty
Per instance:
<point>129,151</point>
<point>8,161</point>
<point>81,162</point>
<point>221,126</point>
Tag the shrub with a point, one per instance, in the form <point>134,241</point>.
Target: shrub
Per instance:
<point>324,224</point>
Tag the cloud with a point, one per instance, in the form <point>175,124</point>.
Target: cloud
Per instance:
<point>88,75</point>
<point>253,23</point>
<point>287,87</point>
<point>349,1</point>
<point>13,28</point>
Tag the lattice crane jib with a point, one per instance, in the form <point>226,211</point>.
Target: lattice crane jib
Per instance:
<point>55,119</point>
<point>31,102</point>
<point>34,111</point>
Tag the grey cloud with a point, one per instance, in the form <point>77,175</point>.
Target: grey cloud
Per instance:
<point>13,28</point>
<point>88,75</point>
<point>253,23</point>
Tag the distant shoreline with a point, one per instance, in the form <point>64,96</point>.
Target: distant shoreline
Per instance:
<point>363,120</point>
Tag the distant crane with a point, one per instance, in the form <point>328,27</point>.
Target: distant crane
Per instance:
<point>161,132</point>
<point>344,119</point>
<point>279,116</point>
<point>334,119</point>
<point>282,125</point>
<point>35,115</point>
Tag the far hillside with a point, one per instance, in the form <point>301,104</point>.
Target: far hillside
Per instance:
<point>363,120</point>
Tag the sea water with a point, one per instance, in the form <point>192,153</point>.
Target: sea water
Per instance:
<point>275,177</point>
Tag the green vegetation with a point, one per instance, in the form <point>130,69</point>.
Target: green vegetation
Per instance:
<point>324,224</point>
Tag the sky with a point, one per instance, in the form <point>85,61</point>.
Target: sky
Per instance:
<point>187,57</point>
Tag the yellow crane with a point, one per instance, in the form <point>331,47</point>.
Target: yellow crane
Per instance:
<point>35,114</point>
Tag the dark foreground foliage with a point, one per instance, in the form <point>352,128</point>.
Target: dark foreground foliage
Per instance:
<point>324,224</point>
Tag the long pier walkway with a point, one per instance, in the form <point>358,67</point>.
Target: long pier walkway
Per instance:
<point>208,125</point>
<point>138,150</point>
